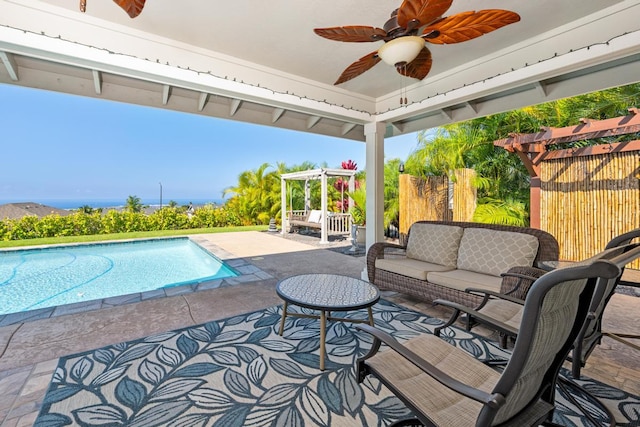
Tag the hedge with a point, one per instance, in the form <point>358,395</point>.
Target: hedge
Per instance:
<point>82,224</point>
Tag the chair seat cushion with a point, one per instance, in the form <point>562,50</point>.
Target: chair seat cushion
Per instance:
<point>463,279</point>
<point>409,267</point>
<point>443,406</point>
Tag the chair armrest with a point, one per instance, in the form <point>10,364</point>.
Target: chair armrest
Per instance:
<point>375,252</point>
<point>490,294</point>
<point>493,400</point>
<point>517,280</point>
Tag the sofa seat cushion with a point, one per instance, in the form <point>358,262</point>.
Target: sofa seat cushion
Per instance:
<point>493,252</point>
<point>409,267</point>
<point>463,279</point>
<point>434,243</point>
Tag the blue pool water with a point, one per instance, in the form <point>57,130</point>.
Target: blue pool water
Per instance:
<point>48,277</point>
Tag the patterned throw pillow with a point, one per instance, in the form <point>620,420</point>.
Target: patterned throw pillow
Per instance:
<point>434,243</point>
<point>493,252</point>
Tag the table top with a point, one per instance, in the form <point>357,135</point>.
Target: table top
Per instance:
<point>330,292</point>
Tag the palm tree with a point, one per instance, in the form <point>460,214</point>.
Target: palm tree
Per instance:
<point>251,197</point>
<point>86,209</point>
<point>134,204</point>
<point>391,192</point>
<point>503,182</point>
<point>359,209</point>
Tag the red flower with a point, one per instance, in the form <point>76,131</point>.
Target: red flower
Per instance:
<point>350,164</point>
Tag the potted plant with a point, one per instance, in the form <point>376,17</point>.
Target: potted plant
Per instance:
<point>359,212</point>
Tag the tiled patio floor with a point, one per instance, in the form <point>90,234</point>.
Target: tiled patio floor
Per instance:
<point>29,350</point>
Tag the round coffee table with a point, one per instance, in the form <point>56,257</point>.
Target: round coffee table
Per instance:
<point>326,293</point>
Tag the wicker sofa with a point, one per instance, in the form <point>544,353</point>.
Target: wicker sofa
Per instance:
<point>441,259</point>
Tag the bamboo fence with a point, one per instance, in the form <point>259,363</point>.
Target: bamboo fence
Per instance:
<point>428,199</point>
<point>586,201</point>
<point>464,195</point>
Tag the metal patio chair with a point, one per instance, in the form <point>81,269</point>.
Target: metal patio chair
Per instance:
<point>503,313</point>
<point>446,386</point>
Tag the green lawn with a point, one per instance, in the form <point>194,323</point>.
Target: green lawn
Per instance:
<point>120,236</point>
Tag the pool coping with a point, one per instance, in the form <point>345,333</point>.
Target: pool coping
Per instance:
<point>247,273</point>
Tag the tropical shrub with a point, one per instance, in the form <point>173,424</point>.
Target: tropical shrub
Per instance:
<point>359,209</point>
<point>168,218</point>
<point>86,224</point>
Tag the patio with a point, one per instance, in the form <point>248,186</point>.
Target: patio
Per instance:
<point>29,351</point>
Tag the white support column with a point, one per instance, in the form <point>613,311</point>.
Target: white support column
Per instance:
<point>374,134</point>
<point>283,205</point>
<point>323,234</point>
<point>307,196</point>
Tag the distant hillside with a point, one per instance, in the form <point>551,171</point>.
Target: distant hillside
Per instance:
<point>19,210</point>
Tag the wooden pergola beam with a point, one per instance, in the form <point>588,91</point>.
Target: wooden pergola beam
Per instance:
<point>532,148</point>
<point>618,147</point>
<point>587,129</point>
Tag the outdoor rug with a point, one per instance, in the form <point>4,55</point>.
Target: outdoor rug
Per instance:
<point>240,372</point>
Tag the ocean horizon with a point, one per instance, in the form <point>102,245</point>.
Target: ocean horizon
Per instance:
<point>113,203</point>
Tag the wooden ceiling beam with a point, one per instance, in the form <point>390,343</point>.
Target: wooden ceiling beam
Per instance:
<point>235,105</point>
<point>10,64</point>
<point>166,94</point>
<point>97,81</point>
<point>202,100</point>
<point>346,128</point>
<point>312,121</point>
<point>277,113</point>
<point>541,88</point>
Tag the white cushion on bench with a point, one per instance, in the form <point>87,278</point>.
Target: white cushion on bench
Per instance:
<point>314,216</point>
<point>409,267</point>
<point>434,243</point>
<point>463,279</point>
<point>493,252</point>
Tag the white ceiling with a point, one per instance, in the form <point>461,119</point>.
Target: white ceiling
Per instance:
<point>261,62</point>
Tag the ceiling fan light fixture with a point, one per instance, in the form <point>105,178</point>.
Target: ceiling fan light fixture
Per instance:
<point>401,50</point>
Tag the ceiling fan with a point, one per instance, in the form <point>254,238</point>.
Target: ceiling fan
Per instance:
<point>132,7</point>
<point>404,34</point>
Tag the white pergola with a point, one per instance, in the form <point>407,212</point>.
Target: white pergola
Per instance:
<point>261,63</point>
<point>321,174</point>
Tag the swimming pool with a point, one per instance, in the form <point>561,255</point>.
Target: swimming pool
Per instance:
<point>48,277</point>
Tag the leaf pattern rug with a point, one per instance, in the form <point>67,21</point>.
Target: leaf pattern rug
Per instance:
<point>239,372</point>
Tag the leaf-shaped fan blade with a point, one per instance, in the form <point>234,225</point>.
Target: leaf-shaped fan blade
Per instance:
<point>352,33</point>
<point>425,11</point>
<point>358,67</point>
<point>132,7</point>
<point>469,25</point>
<point>419,67</point>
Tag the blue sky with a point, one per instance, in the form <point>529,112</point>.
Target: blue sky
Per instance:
<point>58,146</point>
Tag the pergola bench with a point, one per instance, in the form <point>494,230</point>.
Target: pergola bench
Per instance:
<point>337,223</point>
<point>329,223</point>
